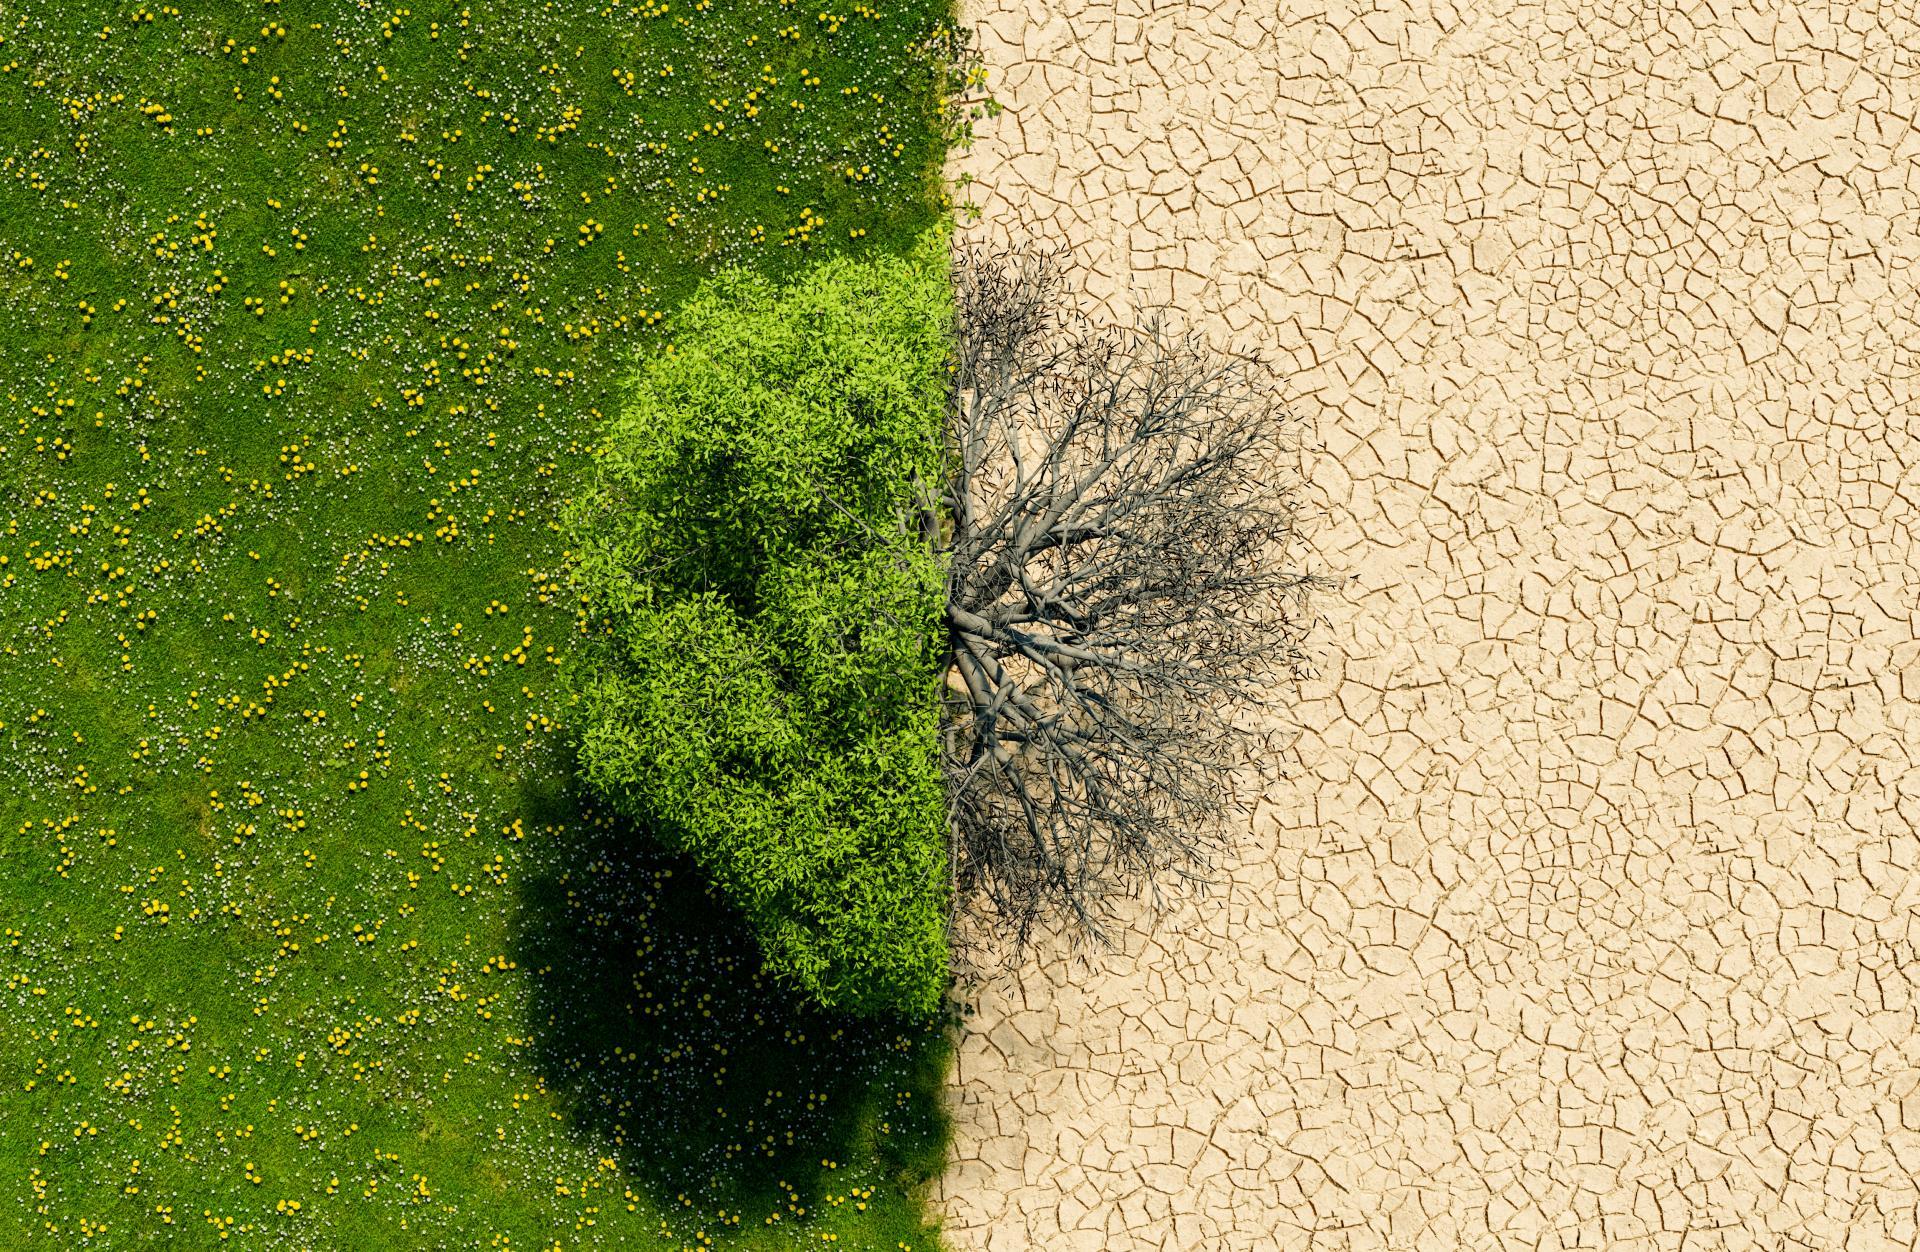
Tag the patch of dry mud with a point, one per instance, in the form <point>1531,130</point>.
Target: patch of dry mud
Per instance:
<point>1587,919</point>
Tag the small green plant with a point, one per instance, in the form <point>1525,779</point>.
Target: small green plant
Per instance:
<point>959,76</point>
<point>766,621</point>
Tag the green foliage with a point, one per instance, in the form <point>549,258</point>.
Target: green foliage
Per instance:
<point>309,313</point>
<point>761,685</point>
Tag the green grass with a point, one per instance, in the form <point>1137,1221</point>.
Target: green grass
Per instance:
<point>310,938</point>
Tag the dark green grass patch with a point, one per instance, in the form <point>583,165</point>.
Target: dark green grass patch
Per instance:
<point>308,314</point>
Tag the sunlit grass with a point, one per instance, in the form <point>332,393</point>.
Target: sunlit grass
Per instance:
<point>309,314</point>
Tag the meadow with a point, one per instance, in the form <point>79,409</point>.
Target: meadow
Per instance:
<point>310,316</point>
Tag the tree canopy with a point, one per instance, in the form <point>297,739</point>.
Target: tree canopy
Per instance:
<point>911,589</point>
<point>1116,521</point>
<point>765,616</point>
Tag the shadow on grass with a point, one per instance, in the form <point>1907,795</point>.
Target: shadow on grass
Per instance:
<point>711,1084</point>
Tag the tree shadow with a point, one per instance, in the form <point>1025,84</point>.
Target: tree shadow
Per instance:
<point>709,1082</point>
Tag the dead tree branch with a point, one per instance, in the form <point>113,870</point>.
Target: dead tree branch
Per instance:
<point>1116,595</point>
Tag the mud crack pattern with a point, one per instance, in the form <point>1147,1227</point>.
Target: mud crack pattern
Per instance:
<point>1586,917</point>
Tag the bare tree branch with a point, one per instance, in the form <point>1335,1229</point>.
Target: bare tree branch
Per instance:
<point>1115,595</point>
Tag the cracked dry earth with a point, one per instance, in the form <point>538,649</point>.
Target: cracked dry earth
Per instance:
<point>1585,917</point>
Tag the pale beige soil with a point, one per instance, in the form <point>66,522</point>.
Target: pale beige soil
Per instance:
<point>1587,917</point>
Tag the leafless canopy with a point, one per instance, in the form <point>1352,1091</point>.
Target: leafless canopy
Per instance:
<point>1115,596</point>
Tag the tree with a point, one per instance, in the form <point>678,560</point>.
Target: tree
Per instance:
<point>1115,597</point>
<point>759,685</point>
<point>907,588</point>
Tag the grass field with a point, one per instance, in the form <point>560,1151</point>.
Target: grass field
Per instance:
<point>309,315</point>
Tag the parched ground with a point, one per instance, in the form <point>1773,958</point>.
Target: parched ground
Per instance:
<point>1587,916</point>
